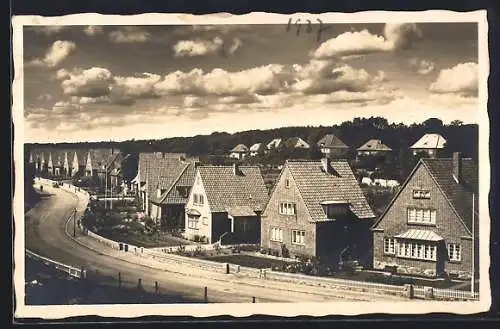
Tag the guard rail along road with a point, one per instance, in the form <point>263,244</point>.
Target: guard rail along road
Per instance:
<point>408,290</point>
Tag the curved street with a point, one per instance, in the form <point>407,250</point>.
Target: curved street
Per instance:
<point>49,233</point>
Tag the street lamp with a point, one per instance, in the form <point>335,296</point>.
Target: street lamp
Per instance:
<point>74,222</point>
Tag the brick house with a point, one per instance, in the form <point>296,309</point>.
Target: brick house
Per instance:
<point>172,191</point>
<point>331,146</point>
<point>431,144</point>
<point>427,228</point>
<point>317,209</point>
<point>225,203</point>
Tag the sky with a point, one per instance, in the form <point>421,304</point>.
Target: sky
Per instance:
<point>93,83</point>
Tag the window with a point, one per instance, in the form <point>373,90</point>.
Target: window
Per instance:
<point>192,222</point>
<point>389,246</point>
<point>204,220</point>
<point>454,252</point>
<point>417,250</point>
<point>276,234</point>
<point>287,183</point>
<point>198,199</point>
<point>421,194</point>
<point>421,216</point>
<point>298,237</point>
<point>287,208</point>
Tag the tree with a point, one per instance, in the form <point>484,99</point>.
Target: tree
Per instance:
<point>433,125</point>
<point>456,123</point>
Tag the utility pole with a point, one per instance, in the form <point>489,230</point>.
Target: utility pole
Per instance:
<point>473,242</point>
<point>111,192</point>
<point>74,223</point>
<point>105,185</point>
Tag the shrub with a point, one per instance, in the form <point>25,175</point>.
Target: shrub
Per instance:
<point>198,251</point>
<point>284,251</point>
<point>263,251</point>
<point>217,248</point>
<point>181,249</point>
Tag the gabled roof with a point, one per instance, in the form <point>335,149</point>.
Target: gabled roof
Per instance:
<point>317,186</point>
<point>185,180</point>
<point>374,145</point>
<point>240,148</point>
<point>229,192</point>
<point>293,141</point>
<point>331,141</point>
<point>257,147</point>
<point>429,141</point>
<point>160,171</point>
<point>459,195</point>
<point>274,143</point>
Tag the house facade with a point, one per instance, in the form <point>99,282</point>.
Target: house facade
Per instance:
<point>332,147</point>
<point>225,203</point>
<point>373,147</point>
<point>239,152</point>
<point>427,228</point>
<point>430,144</point>
<point>317,209</point>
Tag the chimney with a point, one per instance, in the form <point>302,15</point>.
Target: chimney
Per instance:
<point>236,169</point>
<point>457,167</point>
<point>326,164</point>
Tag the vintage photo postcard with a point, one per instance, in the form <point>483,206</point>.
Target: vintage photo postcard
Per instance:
<point>173,164</point>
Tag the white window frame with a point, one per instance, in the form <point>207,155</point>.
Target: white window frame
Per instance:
<point>193,222</point>
<point>276,234</point>
<point>454,252</point>
<point>424,216</point>
<point>416,250</point>
<point>389,246</point>
<point>421,194</point>
<point>204,220</point>
<point>288,208</point>
<point>299,237</point>
<point>198,199</point>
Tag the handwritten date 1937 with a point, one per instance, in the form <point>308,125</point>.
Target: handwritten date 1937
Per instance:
<point>317,27</point>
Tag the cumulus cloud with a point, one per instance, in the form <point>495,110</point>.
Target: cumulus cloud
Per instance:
<point>198,47</point>
<point>93,82</point>
<point>54,55</point>
<point>355,43</point>
<point>323,77</point>
<point>92,30</point>
<point>421,66</point>
<point>65,107</point>
<point>460,79</point>
<point>129,34</point>
<point>48,30</point>
<point>136,87</point>
<point>44,97</point>
<point>263,80</point>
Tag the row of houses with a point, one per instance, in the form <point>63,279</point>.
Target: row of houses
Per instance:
<point>317,209</point>
<point>332,146</point>
<point>68,163</point>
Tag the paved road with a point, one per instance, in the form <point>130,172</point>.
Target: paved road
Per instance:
<point>46,234</point>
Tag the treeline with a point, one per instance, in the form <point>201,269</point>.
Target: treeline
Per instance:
<point>460,137</point>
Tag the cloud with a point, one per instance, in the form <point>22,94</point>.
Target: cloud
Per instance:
<point>129,34</point>
<point>44,97</point>
<point>136,87</point>
<point>355,43</point>
<point>65,107</point>
<point>237,43</point>
<point>421,66</point>
<point>92,30</point>
<point>192,48</point>
<point>323,77</point>
<point>262,80</point>
<point>54,55</point>
<point>93,82</point>
<point>48,30</point>
<point>460,79</point>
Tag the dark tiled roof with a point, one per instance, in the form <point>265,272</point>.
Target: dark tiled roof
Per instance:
<point>374,145</point>
<point>226,191</point>
<point>185,181</point>
<point>459,194</point>
<point>331,141</point>
<point>161,171</point>
<point>316,186</point>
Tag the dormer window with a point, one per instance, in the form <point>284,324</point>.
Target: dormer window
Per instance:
<point>334,209</point>
<point>183,191</point>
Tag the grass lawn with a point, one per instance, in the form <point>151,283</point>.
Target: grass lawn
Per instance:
<point>143,239</point>
<point>248,261</point>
